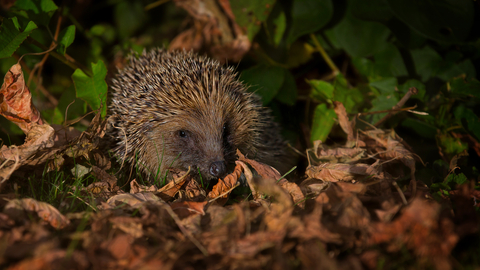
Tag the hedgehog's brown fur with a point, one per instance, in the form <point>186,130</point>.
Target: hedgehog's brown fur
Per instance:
<point>179,109</point>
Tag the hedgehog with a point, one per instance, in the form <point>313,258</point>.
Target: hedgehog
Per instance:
<point>179,109</point>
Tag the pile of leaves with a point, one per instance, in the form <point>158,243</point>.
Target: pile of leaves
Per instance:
<point>382,98</point>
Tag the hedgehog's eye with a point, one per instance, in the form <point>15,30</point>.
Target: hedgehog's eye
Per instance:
<point>182,133</point>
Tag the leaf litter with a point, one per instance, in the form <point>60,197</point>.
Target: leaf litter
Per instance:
<point>347,213</point>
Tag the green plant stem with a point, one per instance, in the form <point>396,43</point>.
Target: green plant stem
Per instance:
<point>325,56</point>
<point>74,64</point>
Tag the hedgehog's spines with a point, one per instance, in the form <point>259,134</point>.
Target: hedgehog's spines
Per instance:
<point>159,93</point>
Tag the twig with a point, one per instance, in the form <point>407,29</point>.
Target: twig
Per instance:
<point>71,63</point>
<point>325,56</point>
<point>411,91</point>
<point>400,192</point>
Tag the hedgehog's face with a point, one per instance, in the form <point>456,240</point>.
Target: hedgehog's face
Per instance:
<point>206,145</point>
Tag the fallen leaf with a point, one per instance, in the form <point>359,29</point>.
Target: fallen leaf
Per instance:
<point>16,208</point>
<point>16,101</point>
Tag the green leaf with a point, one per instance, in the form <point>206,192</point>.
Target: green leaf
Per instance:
<point>389,62</point>
<point>338,91</point>
<point>371,10</point>
<point>387,98</point>
<point>452,146</point>
<point>469,120</point>
<point>309,16</point>
<point>465,88</point>
<point>359,38</point>
<point>250,14</point>
<point>11,36</point>
<point>65,39</point>
<point>441,20</point>
<point>92,89</point>
<point>264,80</point>
<point>39,11</point>
<point>323,121</point>
<point>129,17</point>
<point>456,179</point>
<point>280,24</point>
<point>321,90</point>
<point>386,85</point>
<point>427,62</point>
<point>350,97</point>
<point>421,128</point>
<point>288,92</point>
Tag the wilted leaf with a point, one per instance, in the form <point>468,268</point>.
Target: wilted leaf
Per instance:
<point>16,100</point>
<point>225,185</point>
<point>15,207</point>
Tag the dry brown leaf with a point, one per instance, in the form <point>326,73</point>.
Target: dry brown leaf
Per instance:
<point>134,200</point>
<point>16,208</point>
<point>186,208</point>
<point>194,192</point>
<point>214,29</point>
<point>421,228</point>
<point>341,172</point>
<point>224,186</point>
<point>16,100</point>
<point>265,171</point>
<point>135,187</point>
<point>345,124</point>
<point>168,191</point>
<point>338,154</point>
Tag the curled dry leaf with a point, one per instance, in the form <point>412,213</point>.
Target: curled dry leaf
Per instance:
<point>214,29</point>
<point>345,124</point>
<point>168,191</point>
<point>341,172</point>
<point>16,100</point>
<point>16,208</point>
<point>40,137</point>
<point>265,171</point>
<point>134,200</point>
<point>187,208</point>
<point>338,154</point>
<point>224,186</point>
<point>269,173</point>
<point>194,192</point>
<point>135,187</point>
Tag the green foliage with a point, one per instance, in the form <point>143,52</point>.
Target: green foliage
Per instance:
<point>92,89</point>
<point>251,14</point>
<point>306,54</point>
<point>66,39</point>
<point>309,16</point>
<point>11,35</point>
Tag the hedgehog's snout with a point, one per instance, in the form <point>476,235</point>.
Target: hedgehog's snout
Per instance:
<point>217,169</point>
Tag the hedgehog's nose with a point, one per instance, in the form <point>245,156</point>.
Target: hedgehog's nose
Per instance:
<point>218,169</point>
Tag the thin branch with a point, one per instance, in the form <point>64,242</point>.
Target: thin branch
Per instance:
<point>325,56</point>
<point>71,63</point>
<point>411,91</point>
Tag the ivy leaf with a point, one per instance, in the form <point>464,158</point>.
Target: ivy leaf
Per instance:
<point>92,89</point>
<point>441,20</point>
<point>39,11</point>
<point>309,16</point>
<point>250,14</point>
<point>65,39</point>
<point>264,80</point>
<point>323,121</point>
<point>11,36</point>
